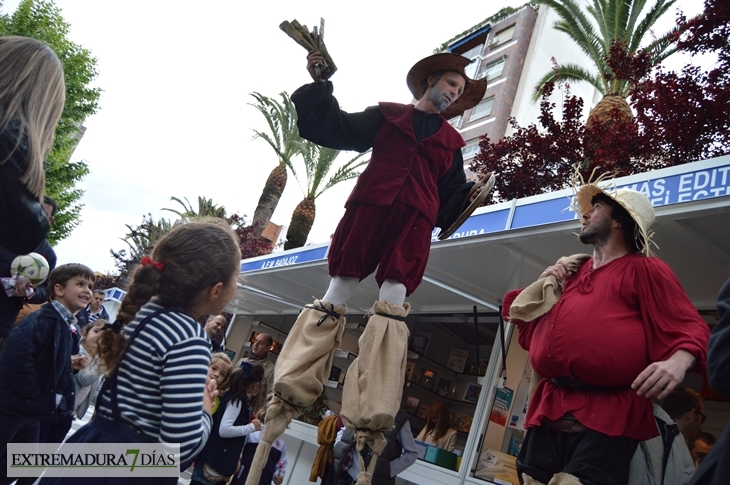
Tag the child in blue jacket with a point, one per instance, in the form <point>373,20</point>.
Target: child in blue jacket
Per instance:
<point>36,370</point>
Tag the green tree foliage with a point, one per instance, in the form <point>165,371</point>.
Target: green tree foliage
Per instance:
<point>681,117</point>
<point>206,208</point>
<point>318,161</point>
<point>283,137</point>
<point>141,238</point>
<point>596,28</point>
<point>42,20</point>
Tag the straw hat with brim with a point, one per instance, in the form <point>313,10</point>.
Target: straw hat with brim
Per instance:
<point>473,91</point>
<point>636,204</point>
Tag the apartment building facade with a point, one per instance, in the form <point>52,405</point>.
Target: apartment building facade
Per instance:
<point>513,50</point>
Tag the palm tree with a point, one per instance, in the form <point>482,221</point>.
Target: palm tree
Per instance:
<point>142,238</point>
<point>317,161</point>
<point>284,138</point>
<point>206,208</point>
<point>607,22</point>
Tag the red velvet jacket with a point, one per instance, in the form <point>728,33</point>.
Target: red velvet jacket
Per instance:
<point>419,173</point>
<point>403,169</point>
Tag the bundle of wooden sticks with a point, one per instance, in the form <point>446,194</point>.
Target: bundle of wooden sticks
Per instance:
<point>312,41</point>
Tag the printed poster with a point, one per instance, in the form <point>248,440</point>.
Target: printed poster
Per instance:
<point>517,420</point>
<point>457,360</point>
<point>502,403</point>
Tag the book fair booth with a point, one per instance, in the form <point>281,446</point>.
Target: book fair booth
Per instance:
<point>460,352</point>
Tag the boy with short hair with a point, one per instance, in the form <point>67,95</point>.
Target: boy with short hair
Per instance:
<point>36,370</point>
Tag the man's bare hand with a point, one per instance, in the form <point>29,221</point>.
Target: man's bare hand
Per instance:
<point>660,378</point>
<point>314,58</point>
<point>559,270</point>
<point>278,479</point>
<point>478,186</point>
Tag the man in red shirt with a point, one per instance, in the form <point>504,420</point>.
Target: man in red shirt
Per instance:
<point>414,181</point>
<point>622,332</point>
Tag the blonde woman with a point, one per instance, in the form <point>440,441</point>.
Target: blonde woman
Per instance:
<point>32,94</point>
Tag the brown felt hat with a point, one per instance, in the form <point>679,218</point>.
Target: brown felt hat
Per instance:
<point>473,91</point>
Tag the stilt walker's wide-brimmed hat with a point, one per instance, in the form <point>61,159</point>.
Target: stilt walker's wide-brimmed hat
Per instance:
<point>636,204</point>
<point>473,91</point>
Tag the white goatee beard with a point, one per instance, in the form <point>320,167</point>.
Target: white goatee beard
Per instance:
<point>438,100</point>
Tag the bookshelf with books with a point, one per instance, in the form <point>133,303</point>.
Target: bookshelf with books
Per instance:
<point>442,381</point>
<point>447,365</point>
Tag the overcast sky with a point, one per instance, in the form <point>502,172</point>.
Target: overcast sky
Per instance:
<point>174,118</point>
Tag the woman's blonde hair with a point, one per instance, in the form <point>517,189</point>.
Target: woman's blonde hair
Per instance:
<point>32,94</point>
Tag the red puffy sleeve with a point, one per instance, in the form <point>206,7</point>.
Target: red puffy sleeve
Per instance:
<point>525,329</point>
<point>670,320</point>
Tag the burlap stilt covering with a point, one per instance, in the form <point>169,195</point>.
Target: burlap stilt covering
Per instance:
<point>374,382</point>
<point>300,372</point>
<point>278,416</point>
<point>375,440</point>
<point>564,479</point>
<point>306,359</point>
<point>528,480</point>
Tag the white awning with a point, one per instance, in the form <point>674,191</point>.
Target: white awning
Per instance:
<point>508,245</point>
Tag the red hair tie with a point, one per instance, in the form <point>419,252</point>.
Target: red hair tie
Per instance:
<point>147,261</point>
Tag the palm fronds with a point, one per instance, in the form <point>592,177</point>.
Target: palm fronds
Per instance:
<point>596,28</point>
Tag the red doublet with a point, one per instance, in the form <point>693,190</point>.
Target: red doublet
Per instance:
<point>402,176</point>
<point>608,326</point>
<point>404,169</point>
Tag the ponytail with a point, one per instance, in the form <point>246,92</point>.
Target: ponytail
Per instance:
<point>145,284</point>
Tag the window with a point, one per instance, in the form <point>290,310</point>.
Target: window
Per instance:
<point>482,109</point>
<point>456,122</point>
<point>475,55</point>
<point>502,36</point>
<point>471,69</point>
<point>470,150</point>
<point>494,69</point>
<point>474,52</point>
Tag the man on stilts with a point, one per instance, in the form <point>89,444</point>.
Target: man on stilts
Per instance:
<point>414,181</point>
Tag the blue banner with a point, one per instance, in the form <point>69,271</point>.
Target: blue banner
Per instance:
<point>286,259</point>
<point>685,187</point>
<point>544,212</point>
<point>479,224</point>
<point>673,189</point>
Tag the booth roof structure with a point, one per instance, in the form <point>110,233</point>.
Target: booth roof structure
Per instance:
<point>508,245</point>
